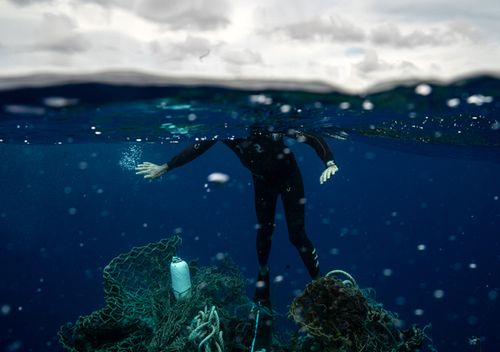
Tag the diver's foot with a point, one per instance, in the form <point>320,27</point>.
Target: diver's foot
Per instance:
<point>265,335</point>
<point>264,338</point>
<point>316,277</point>
<point>264,319</point>
<point>262,294</point>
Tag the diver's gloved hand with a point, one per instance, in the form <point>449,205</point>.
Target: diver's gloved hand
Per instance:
<point>329,172</point>
<point>150,170</point>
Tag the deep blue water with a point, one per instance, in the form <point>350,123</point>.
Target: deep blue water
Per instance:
<point>414,211</point>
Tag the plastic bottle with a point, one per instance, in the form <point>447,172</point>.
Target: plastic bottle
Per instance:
<point>181,279</point>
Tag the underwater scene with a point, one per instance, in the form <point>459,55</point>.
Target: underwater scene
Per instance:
<point>141,214</point>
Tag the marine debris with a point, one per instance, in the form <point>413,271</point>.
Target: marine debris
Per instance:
<point>337,316</point>
<point>141,313</point>
<point>205,331</point>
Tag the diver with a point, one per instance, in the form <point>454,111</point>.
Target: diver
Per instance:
<point>275,173</point>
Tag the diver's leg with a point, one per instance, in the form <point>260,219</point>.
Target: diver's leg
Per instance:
<point>265,207</point>
<point>293,198</point>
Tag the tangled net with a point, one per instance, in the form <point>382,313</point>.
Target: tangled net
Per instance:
<point>141,312</point>
<point>205,331</point>
<point>338,317</point>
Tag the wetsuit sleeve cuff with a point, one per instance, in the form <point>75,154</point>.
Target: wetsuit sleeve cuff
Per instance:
<point>330,163</point>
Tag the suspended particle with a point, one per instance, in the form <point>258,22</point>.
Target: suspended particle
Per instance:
<point>278,278</point>
<point>261,99</point>
<point>423,89</point>
<point>400,301</point>
<point>5,309</point>
<point>418,312</point>
<point>492,295</point>
<point>218,178</point>
<point>367,105</point>
<point>472,320</point>
<point>334,251</point>
<point>453,103</point>
<point>220,256</point>
<point>438,294</point>
<point>82,165</point>
<point>260,284</point>
<point>59,102</point>
<point>479,99</point>
<point>285,108</point>
<point>344,105</point>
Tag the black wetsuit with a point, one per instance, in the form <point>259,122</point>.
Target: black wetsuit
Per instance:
<point>275,173</point>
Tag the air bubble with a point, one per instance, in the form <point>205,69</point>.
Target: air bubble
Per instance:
<point>130,158</point>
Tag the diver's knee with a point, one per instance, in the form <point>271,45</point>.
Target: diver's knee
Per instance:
<point>265,228</point>
<point>298,239</point>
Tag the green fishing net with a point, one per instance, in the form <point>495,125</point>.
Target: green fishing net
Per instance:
<point>141,313</point>
<point>337,316</point>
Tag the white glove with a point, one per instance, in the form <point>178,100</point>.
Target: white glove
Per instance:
<point>150,170</point>
<point>329,172</point>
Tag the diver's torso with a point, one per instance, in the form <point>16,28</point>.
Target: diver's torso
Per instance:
<point>263,154</point>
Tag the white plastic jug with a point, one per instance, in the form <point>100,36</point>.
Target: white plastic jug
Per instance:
<point>181,279</point>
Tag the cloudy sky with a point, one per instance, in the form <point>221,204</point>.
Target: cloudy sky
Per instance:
<point>352,44</point>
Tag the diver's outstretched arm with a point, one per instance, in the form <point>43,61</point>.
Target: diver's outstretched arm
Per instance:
<point>150,170</point>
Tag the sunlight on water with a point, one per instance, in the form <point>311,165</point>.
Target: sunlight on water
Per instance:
<point>463,114</point>
<point>131,157</point>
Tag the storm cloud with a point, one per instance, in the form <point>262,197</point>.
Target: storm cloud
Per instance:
<point>351,44</point>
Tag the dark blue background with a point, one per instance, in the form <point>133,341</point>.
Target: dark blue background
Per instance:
<point>370,217</point>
